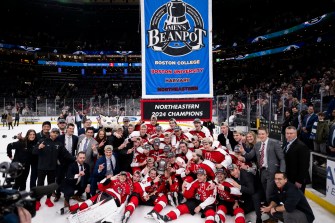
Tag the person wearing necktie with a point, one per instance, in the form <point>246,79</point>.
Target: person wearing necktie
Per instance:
<point>297,156</point>
<point>61,124</point>
<point>77,179</point>
<point>70,142</point>
<point>270,159</point>
<point>89,145</point>
<point>105,165</point>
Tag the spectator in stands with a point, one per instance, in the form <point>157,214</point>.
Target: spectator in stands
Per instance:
<point>295,117</point>
<point>306,127</point>
<point>331,140</point>
<point>319,134</point>
<point>287,122</point>
<point>288,204</point>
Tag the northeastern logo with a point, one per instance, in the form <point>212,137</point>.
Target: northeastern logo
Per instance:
<point>176,29</point>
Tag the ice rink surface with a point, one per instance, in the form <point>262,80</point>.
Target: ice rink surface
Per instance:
<point>49,215</point>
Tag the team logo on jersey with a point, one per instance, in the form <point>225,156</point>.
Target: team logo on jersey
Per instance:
<point>176,29</point>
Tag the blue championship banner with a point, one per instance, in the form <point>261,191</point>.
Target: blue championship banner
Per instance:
<point>176,49</point>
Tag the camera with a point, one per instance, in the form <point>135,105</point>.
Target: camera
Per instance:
<point>10,199</point>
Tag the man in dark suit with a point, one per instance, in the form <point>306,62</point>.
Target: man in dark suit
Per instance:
<point>270,159</point>
<point>89,145</point>
<point>70,142</point>
<point>306,127</point>
<point>105,165</point>
<point>296,158</point>
<point>245,181</point>
<point>226,137</point>
<point>77,179</point>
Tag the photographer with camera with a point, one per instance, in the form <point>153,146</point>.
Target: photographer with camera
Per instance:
<point>18,206</point>
<point>23,154</point>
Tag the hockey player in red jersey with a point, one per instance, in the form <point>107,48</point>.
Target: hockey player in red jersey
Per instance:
<point>199,130</point>
<point>148,192</point>
<point>151,127</point>
<point>200,195</point>
<point>227,199</point>
<point>215,154</point>
<point>140,157</point>
<point>115,187</point>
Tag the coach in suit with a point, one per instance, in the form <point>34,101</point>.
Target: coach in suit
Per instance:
<point>296,158</point>
<point>89,145</point>
<point>105,165</point>
<point>226,137</point>
<point>270,159</point>
<point>70,142</point>
<point>77,179</point>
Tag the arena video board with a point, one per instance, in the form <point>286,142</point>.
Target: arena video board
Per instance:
<point>176,49</point>
<point>181,110</point>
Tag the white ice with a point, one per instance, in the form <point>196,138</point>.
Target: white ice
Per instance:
<point>49,215</point>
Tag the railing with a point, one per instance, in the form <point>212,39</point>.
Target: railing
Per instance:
<point>251,110</point>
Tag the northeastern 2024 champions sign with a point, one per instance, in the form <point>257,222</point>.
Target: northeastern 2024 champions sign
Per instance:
<point>176,49</point>
<point>181,110</point>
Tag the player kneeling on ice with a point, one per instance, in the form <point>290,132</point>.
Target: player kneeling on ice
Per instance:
<point>200,195</point>
<point>227,199</point>
<point>149,192</point>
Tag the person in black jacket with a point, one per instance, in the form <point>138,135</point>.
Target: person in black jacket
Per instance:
<point>289,203</point>
<point>49,150</point>
<point>226,137</point>
<point>46,126</point>
<point>297,156</point>
<point>287,122</point>
<point>77,179</point>
<point>23,154</point>
<point>245,181</point>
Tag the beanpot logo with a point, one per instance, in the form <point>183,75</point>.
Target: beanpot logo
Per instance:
<point>182,31</point>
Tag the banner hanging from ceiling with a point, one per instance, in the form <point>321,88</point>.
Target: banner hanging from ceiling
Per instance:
<point>176,49</point>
